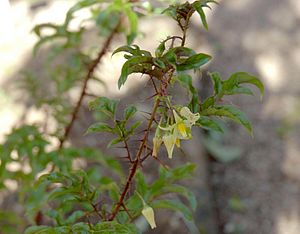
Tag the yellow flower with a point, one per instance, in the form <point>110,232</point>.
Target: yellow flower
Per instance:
<point>191,118</point>
<point>157,141</point>
<point>180,125</point>
<point>170,141</point>
<point>181,129</point>
<point>148,213</point>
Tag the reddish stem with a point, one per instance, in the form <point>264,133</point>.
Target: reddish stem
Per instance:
<point>135,164</point>
<point>83,93</point>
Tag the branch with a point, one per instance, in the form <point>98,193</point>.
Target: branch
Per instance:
<point>135,164</point>
<point>88,76</point>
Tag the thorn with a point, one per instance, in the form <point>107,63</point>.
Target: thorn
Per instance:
<point>152,96</point>
<point>156,121</point>
<point>145,112</point>
<point>161,163</point>
<point>120,147</point>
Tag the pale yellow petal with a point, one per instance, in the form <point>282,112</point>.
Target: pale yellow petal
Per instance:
<point>157,141</point>
<point>182,129</point>
<point>177,142</point>
<point>168,128</point>
<point>169,141</point>
<point>190,116</point>
<point>177,117</point>
<point>148,213</point>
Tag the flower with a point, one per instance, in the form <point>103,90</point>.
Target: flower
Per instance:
<point>180,130</point>
<point>148,213</point>
<point>180,125</point>
<point>190,117</point>
<point>170,141</point>
<point>157,141</point>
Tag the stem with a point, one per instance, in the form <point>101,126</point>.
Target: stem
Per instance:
<point>135,164</point>
<point>138,158</point>
<point>88,76</point>
<point>185,27</point>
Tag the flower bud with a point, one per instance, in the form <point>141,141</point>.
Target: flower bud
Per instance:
<point>148,213</point>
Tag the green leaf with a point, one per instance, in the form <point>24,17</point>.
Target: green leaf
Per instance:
<point>115,228</point>
<point>173,54</point>
<point>114,142</point>
<point>134,126</point>
<point>193,62</point>
<point>186,81</point>
<point>134,50</point>
<point>198,7</point>
<point>138,60</point>
<point>179,189</point>
<point>221,152</point>
<point>104,105</point>
<point>62,192</point>
<point>174,205</point>
<point>75,216</point>
<point>209,124</point>
<point>229,112</point>
<point>160,49</point>
<point>180,51</point>
<point>81,228</point>
<point>99,127</point>
<point>141,185</point>
<point>210,101</point>
<point>129,112</point>
<point>242,78</point>
<point>240,90</point>
<point>171,11</point>
<point>182,172</point>
<point>134,204</point>
<point>218,83</point>
<point>236,204</point>
<point>39,230</point>
<point>159,63</point>
<point>133,23</point>
<point>78,6</point>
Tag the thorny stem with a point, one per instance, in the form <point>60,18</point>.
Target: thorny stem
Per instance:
<point>128,152</point>
<point>135,164</point>
<point>88,76</point>
<point>138,160</point>
<point>185,27</point>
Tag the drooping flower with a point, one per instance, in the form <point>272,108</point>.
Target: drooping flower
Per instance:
<point>180,125</point>
<point>190,117</point>
<point>148,213</point>
<point>157,141</point>
<point>180,130</point>
<point>170,140</point>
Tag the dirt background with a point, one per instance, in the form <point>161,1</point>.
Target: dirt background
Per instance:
<point>258,192</point>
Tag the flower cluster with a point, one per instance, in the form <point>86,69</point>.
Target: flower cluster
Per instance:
<point>173,133</point>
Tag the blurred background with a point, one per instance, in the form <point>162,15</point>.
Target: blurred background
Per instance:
<point>244,185</point>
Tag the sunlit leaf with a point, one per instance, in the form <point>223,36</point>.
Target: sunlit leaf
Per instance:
<point>174,205</point>
<point>129,63</point>
<point>115,228</point>
<point>193,62</point>
<point>242,78</point>
<point>209,124</point>
<point>129,112</point>
<point>229,112</point>
<point>99,127</point>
